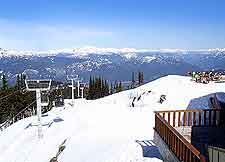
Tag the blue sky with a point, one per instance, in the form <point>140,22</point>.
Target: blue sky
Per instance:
<point>153,24</point>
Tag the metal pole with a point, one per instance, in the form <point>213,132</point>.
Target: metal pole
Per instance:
<point>78,88</point>
<point>82,92</point>
<point>38,98</point>
<point>72,93</point>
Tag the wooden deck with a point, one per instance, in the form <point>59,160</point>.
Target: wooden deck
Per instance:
<point>174,127</point>
<point>185,132</point>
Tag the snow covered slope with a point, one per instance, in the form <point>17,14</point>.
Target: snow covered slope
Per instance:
<point>107,129</point>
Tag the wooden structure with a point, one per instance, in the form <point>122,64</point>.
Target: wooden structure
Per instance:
<point>168,123</point>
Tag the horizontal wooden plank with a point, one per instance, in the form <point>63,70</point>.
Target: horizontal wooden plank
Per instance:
<point>188,110</point>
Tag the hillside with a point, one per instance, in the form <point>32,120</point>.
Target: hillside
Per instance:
<point>107,129</point>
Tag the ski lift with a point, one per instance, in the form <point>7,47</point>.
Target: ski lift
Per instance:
<point>43,85</point>
<point>38,86</point>
<point>44,98</point>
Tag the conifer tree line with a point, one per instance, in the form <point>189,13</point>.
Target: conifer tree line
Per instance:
<point>140,79</point>
<point>118,87</point>
<point>20,81</point>
<point>19,99</point>
<point>4,83</point>
<point>12,105</point>
<point>98,87</point>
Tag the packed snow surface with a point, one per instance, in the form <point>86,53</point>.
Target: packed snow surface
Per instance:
<point>107,129</point>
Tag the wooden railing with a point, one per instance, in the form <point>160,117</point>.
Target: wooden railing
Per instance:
<point>193,117</point>
<point>166,121</point>
<point>183,150</point>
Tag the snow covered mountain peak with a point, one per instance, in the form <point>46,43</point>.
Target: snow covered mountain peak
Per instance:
<point>90,49</point>
<point>75,51</point>
<point>84,51</point>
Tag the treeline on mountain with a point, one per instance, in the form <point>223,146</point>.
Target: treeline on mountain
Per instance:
<point>15,98</point>
<point>140,80</point>
<point>18,99</point>
<point>98,87</point>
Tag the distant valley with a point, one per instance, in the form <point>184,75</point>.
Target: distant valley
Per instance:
<point>108,63</point>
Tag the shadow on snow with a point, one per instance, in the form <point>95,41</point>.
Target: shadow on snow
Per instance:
<point>55,120</point>
<point>149,149</point>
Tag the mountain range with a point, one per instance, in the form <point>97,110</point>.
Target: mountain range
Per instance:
<point>110,63</point>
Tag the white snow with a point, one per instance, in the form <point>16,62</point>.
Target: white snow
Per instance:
<point>86,50</point>
<point>30,71</point>
<point>130,55</point>
<point>107,129</point>
<point>148,59</point>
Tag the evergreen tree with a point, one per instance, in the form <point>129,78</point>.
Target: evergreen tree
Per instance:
<point>139,78</point>
<point>98,87</point>
<point>102,88</point>
<point>93,88</point>
<point>142,78</point>
<point>106,89</point>
<point>133,80</point>
<point>120,87</point>
<point>90,91</point>
<point>111,88</point>
<point>18,82</point>
<point>115,86</point>
<point>10,106</point>
<point>23,78</point>
<point>4,82</point>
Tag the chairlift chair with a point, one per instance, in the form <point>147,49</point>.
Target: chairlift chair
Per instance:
<point>33,85</point>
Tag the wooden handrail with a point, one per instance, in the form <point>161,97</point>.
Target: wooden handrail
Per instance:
<point>197,117</point>
<point>191,147</point>
<point>176,142</point>
<point>166,121</point>
<point>188,110</point>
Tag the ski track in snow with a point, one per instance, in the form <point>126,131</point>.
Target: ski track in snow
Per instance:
<point>107,129</point>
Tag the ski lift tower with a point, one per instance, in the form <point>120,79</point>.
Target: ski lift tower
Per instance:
<point>72,78</point>
<point>79,86</point>
<point>82,86</point>
<point>38,86</point>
